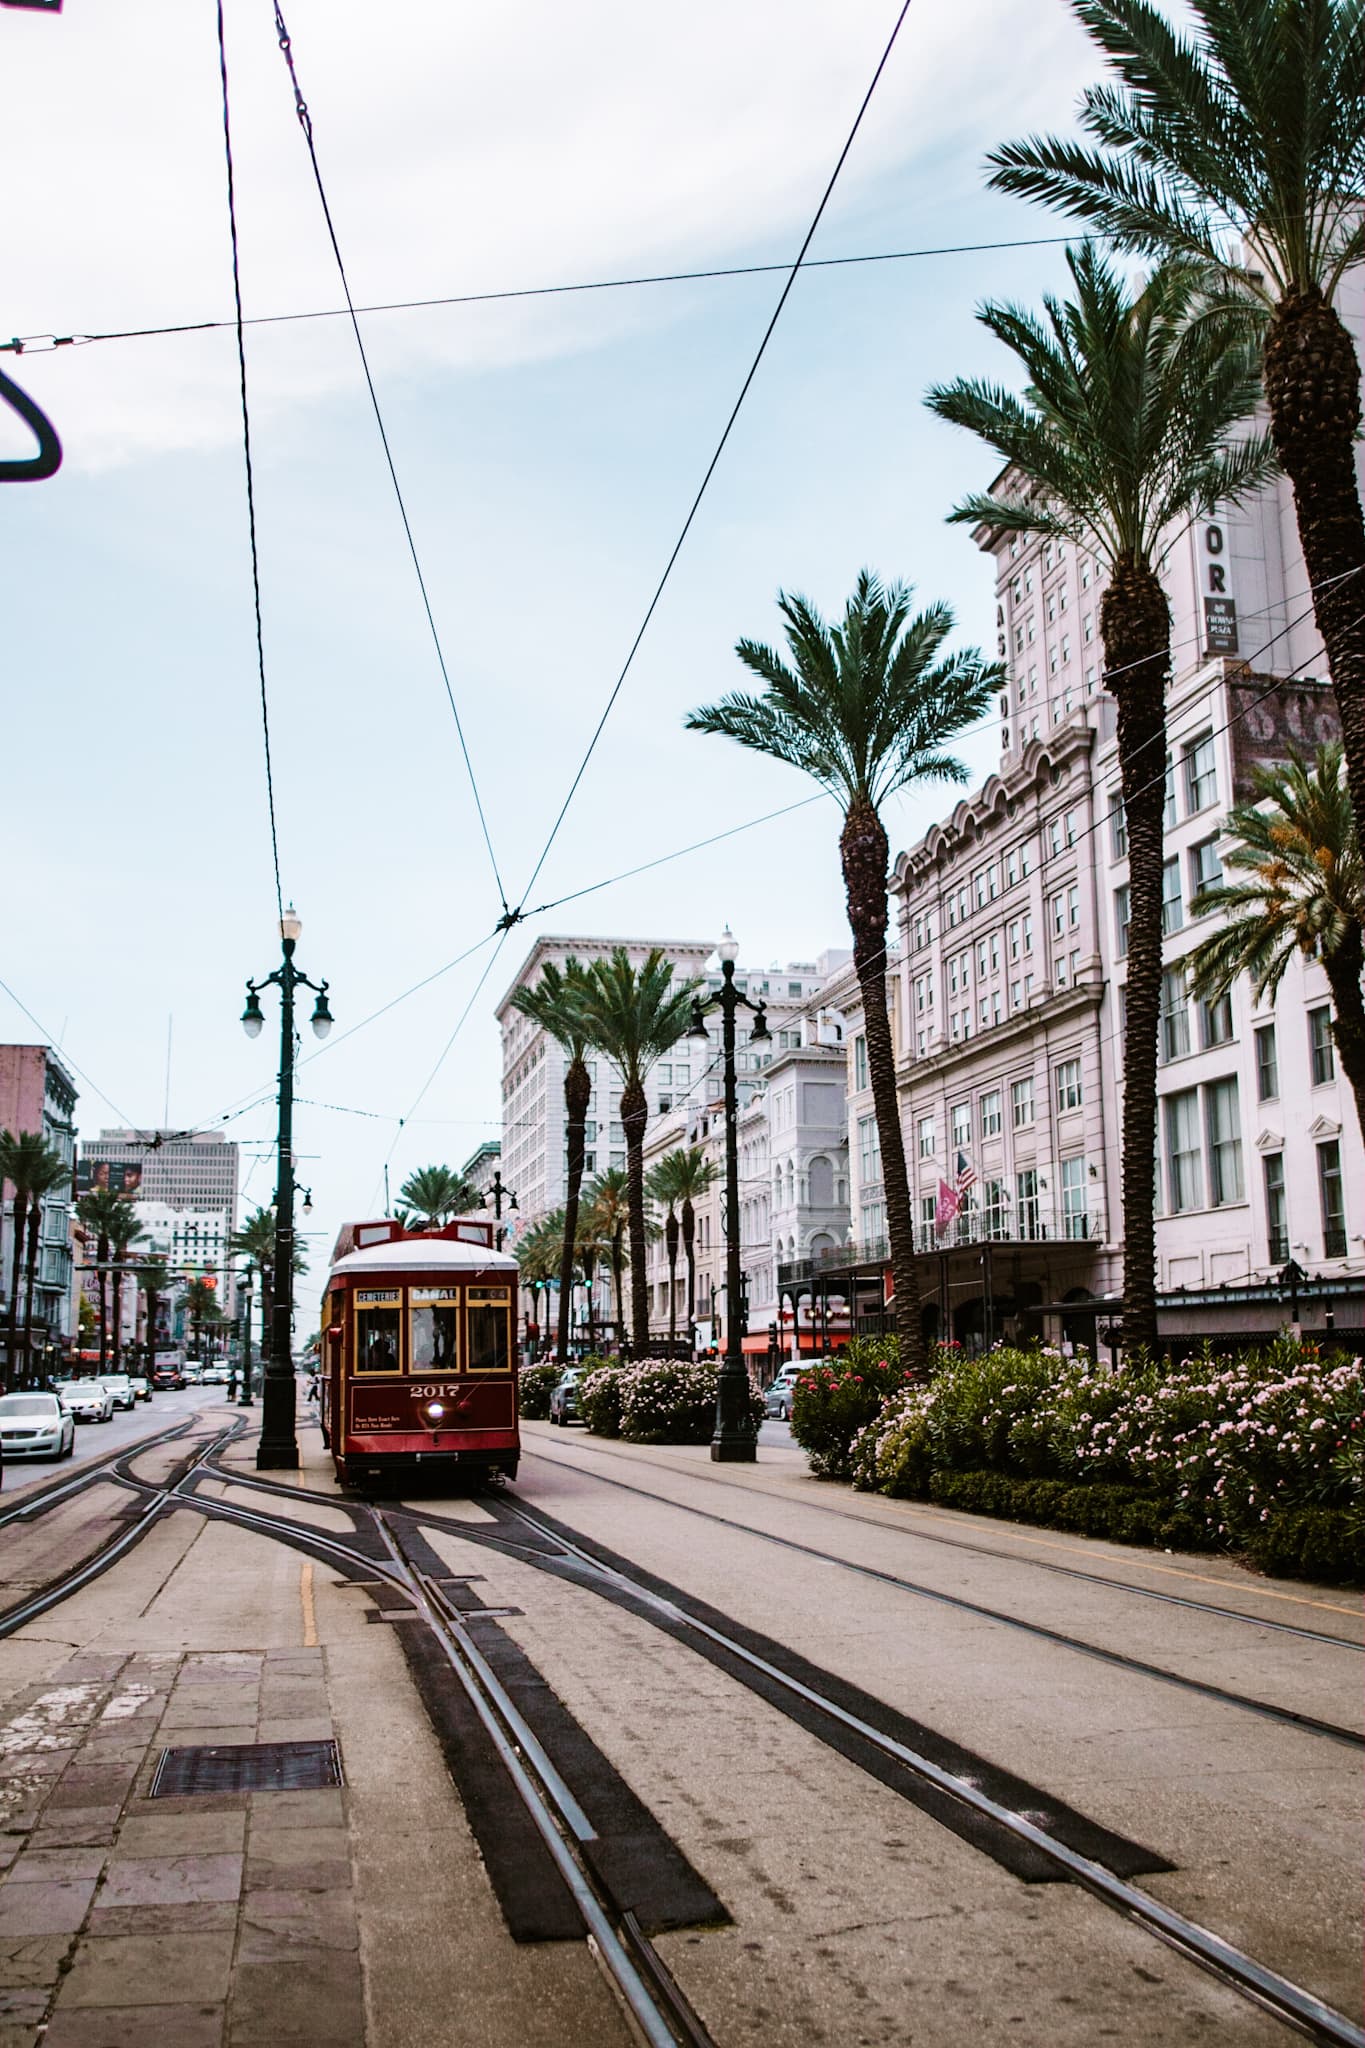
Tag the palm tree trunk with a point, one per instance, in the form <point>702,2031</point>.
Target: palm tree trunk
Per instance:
<point>102,1264</point>
<point>671,1243</point>
<point>618,1284</point>
<point>1135,624</point>
<point>18,1218</point>
<point>1312,388</point>
<point>34,1223</point>
<point>634,1115</point>
<point>1348,1025</point>
<point>865,852</point>
<point>118,1314</point>
<point>577,1096</point>
<point>689,1238</point>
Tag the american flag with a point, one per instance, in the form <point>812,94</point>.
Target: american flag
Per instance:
<point>966,1174</point>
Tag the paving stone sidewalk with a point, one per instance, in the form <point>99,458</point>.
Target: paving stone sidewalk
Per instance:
<point>128,1922</point>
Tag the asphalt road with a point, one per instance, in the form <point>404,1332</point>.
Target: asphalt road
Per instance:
<point>96,1439</point>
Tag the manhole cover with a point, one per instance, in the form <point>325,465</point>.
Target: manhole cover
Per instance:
<point>247,1767</point>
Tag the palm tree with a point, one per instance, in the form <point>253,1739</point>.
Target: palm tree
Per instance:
<point>1123,429</point>
<point>606,1221</point>
<point>1298,848</point>
<point>124,1230</point>
<point>555,1003</point>
<point>634,1015</point>
<point>429,1198</point>
<point>30,1166</point>
<point>539,1255</point>
<point>201,1306</point>
<point>153,1277</point>
<point>1254,127</point>
<point>866,708</point>
<point>98,1211</point>
<point>256,1240</point>
<point>677,1181</point>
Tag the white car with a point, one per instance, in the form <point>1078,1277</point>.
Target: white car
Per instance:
<point>120,1389</point>
<point>215,1376</point>
<point>88,1400</point>
<point>35,1426</point>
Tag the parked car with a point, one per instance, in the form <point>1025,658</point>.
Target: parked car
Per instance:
<point>89,1400</point>
<point>777,1400</point>
<point>142,1387</point>
<point>120,1389</point>
<point>36,1426</point>
<point>168,1377</point>
<point>564,1397</point>
<point>214,1376</point>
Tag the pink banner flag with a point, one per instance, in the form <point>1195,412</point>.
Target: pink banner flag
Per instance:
<point>947,1206</point>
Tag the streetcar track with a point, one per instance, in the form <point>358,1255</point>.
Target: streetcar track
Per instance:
<point>1042,1564</point>
<point>1289,1717</point>
<point>1310,1723</point>
<point>98,1469</point>
<point>665,2022</point>
<point>108,1554</point>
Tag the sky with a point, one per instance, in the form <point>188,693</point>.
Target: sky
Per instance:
<point>548,450</point>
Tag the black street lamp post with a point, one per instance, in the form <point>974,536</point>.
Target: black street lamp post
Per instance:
<point>733,1442</point>
<point>500,1194</point>
<point>278,1449</point>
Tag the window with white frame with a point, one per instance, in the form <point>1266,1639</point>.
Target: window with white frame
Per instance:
<point>1168,808</point>
<point>1184,1164</point>
<point>1172,904</point>
<point>1122,915</point>
<point>1267,1064</point>
<point>869,1151</point>
<point>1075,1222</point>
<point>1223,1123</point>
<point>1175,1014</point>
<point>860,1062</point>
<point>1073,907</point>
<point>1215,1020</point>
<point>1206,870</point>
<point>1201,774</point>
<point>1321,1053</point>
<point>1021,1102</point>
<point>962,1123</point>
<point>927,1137</point>
<point>1027,1211</point>
<point>1118,825</point>
<point>989,1110</point>
<point>1067,1079</point>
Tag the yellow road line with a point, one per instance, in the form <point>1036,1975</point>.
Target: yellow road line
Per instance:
<point>310,1620</point>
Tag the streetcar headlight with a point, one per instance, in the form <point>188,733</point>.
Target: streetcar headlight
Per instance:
<point>435,1409</point>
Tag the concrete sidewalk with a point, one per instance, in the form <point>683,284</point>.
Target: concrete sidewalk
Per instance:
<point>335,1918</point>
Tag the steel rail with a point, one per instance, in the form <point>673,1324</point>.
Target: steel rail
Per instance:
<point>655,2002</point>
<point>93,1567</point>
<point>921,1535</point>
<point>1161,1674</point>
<point>88,1475</point>
<point>1264,1987</point>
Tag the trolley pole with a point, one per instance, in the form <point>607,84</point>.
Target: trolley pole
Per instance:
<point>278,1449</point>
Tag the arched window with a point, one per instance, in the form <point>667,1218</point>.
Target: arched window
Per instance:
<point>821,1175</point>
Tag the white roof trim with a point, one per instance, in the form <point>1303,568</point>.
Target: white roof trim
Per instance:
<point>414,1255</point>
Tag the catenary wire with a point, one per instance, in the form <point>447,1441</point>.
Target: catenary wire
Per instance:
<point>713,464</point>
<point>29,343</point>
<point>65,1056</point>
<point>305,120</point>
<point>246,452</point>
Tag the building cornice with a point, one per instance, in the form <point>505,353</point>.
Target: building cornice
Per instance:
<point>1025,780</point>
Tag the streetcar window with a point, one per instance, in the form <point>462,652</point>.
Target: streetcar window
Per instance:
<point>490,1334</point>
<point>433,1330</point>
<point>377,1329</point>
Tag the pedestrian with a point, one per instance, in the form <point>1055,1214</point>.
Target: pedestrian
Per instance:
<point>313,1391</point>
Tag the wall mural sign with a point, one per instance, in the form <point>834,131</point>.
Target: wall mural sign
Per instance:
<point>1269,719</point>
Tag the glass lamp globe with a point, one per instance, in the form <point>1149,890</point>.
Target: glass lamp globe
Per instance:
<point>728,949</point>
<point>291,925</point>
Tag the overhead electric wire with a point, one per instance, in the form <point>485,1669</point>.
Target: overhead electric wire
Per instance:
<point>246,451</point>
<point>712,465</point>
<point>305,120</point>
<point>65,1056</point>
<point>44,343</point>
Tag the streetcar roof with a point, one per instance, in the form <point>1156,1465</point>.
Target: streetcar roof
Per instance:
<point>424,1254</point>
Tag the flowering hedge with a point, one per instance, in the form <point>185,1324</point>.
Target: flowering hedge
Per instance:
<point>834,1399</point>
<point>658,1401</point>
<point>1221,1450</point>
<point>535,1384</point>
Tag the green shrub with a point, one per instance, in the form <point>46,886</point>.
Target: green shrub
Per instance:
<point>1311,1543</point>
<point>1123,1514</point>
<point>670,1401</point>
<point>599,1395</point>
<point>534,1385</point>
<point>835,1399</point>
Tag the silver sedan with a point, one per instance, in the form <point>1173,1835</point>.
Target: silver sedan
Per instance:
<point>36,1426</point>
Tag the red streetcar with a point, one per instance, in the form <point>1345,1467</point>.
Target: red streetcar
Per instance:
<point>419,1360</point>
